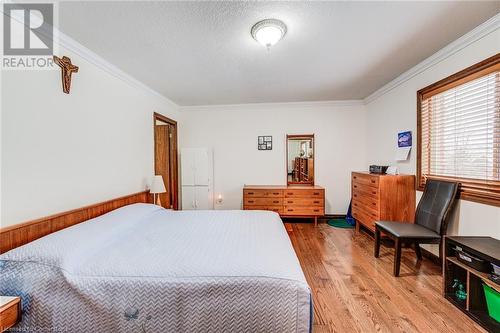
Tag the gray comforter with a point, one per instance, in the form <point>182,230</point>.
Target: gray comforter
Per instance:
<point>142,268</point>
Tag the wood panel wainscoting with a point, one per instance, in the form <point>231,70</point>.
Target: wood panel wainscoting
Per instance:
<point>20,234</point>
<point>382,198</point>
<point>288,201</point>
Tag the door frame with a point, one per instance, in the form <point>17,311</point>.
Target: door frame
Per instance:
<point>175,167</point>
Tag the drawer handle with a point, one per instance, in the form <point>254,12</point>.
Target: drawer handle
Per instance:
<point>275,193</point>
<point>373,192</point>
<point>316,201</point>
<point>316,193</point>
<point>289,201</point>
<point>355,204</point>
<point>316,210</point>
<point>250,201</point>
<point>290,193</point>
<point>355,186</point>
<point>373,181</point>
<point>250,193</point>
<point>354,177</point>
<point>374,203</point>
<point>290,210</point>
<point>276,201</point>
<point>355,195</point>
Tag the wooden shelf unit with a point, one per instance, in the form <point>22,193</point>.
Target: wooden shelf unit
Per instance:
<point>485,248</point>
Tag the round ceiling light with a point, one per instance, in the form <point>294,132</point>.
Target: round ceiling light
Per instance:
<point>268,32</point>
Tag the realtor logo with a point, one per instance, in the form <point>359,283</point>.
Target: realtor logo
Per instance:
<point>28,29</point>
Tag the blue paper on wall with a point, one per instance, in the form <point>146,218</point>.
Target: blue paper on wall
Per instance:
<point>404,146</point>
<point>404,139</point>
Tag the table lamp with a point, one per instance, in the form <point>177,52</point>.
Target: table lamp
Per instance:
<point>157,187</point>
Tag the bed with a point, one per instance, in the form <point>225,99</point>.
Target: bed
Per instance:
<point>142,268</point>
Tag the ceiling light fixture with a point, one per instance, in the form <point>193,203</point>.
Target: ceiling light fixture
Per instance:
<point>268,32</point>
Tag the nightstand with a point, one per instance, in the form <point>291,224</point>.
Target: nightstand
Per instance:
<point>10,311</point>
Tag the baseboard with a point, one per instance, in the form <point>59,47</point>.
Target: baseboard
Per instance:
<point>333,216</point>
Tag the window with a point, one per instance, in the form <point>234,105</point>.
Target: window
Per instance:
<point>458,124</point>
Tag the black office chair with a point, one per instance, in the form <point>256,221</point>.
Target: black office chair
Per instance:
<point>430,221</point>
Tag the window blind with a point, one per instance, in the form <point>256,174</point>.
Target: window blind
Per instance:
<point>460,134</point>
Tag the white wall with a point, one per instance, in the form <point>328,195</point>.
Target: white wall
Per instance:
<point>396,110</point>
<point>61,151</point>
<point>232,132</point>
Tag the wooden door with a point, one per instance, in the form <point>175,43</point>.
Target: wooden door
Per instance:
<point>165,145</point>
<point>162,161</point>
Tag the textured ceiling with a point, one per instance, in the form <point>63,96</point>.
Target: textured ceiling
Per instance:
<point>201,53</point>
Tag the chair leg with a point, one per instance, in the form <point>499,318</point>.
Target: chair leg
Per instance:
<point>397,257</point>
<point>441,254</point>
<point>418,252</point>
<point>377,243</point>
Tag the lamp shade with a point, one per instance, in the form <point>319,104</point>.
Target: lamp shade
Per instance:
<point>157,185</point>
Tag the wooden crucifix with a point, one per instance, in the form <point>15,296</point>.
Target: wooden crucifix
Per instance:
<point>67,68</point>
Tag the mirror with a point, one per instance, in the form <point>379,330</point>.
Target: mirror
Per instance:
<point>300,159</point>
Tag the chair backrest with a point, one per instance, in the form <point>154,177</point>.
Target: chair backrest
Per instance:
<point>435,204</point>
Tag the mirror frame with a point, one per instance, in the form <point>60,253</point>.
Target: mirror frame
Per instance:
<point>300,136</point>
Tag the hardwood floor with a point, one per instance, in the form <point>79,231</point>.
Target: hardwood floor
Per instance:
<point>354,292</point>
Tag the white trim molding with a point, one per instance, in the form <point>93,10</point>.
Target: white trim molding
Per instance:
<point>477,33</point>
<point>72,45</point>
<point>263,106</point>
<point>65,41</point>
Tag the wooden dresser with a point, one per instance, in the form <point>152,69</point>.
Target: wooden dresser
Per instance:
<point>288,201</point>
<point>382,197</point>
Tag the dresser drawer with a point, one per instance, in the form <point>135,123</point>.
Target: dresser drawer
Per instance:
<point>366,190</point>
<point>366,199</point>
<point>277,209</point>
<point>365,180</point>
<point>303,211</point>
<point>364,218</point>
<point>365,209</point>
<point>306,202</point>
<point>267,201</point>
<point>304,193</point>
<point>262,193</point>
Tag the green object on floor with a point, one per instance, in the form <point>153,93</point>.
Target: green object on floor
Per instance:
<point>492,302</point>
<point>340,223</point>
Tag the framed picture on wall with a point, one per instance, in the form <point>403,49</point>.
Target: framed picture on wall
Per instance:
<point>265,142</point>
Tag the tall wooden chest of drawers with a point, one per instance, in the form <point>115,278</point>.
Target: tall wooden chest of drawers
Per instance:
<point>288,201</point>
<point>382,198</point>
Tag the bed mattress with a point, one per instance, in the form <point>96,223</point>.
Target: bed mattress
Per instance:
<point>142,268</point>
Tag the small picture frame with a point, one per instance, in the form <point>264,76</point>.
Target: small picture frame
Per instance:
<point>265,142</point>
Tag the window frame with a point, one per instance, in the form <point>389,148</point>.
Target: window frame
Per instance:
<point>488,194</point>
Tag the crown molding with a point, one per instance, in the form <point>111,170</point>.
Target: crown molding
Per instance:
<point>67,42</point>
<point>263,106</point>
<point>472,36</point>
<point>72,45</point>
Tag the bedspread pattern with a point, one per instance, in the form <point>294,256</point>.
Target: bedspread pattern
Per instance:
<point>145,269</point>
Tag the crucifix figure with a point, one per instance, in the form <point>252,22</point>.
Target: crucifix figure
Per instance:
<point>67,68</point>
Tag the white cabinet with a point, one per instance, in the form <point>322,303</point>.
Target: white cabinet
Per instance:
<point>196,178</point>
<point>196,198</point>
